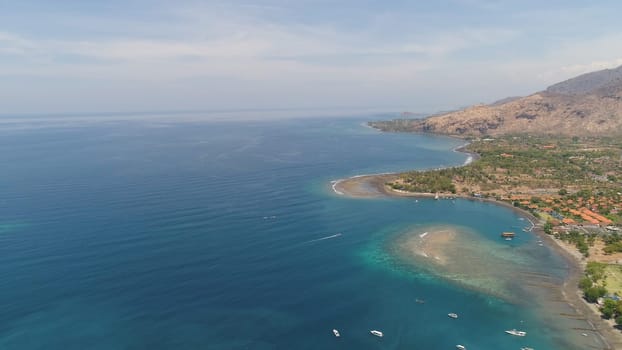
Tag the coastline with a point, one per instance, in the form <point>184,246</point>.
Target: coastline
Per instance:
<point>471,156</point>
<point>374,186</point>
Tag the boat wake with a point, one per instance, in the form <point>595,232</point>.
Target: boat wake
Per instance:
<point>323,238</point>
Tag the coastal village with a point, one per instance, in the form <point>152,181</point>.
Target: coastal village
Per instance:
<point>571,185</point>
<point>565,181</point>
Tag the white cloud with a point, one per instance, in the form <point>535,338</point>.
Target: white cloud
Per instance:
<point>260,52</point>
<point>14,44</point>
<point>242,58</point>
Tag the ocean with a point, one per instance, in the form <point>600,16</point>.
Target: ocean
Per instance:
<point>166,234</point>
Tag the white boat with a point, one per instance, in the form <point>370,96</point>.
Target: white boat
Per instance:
<point>376,333</point>
<point>452,315</point>
<point>516,333</point>
<point>461,347</point>
<point>336,333</point>
<point>526,348</point>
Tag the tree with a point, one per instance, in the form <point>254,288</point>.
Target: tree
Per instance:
<point>585,283</point>
<point>593,293</point>
<point>562,192</point>
<point>609,308</point>
<point>548,228</point>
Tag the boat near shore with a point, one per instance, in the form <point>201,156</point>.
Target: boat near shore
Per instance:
<point>376,333</point>
<point>507,235</point>
<point>570,298</point>
<point>516,333</point>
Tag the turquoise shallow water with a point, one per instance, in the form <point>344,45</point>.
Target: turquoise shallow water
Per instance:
<point>208,235</point>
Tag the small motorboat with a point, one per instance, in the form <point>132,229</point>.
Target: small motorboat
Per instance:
<point>526,348</point>
<point>336,333</point>
<point>452,315</point>
<point>516,333</point>
<point>460,347</point>
<point>376,333</point>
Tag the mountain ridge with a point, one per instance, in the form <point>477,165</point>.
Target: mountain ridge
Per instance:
<point>586,105</point>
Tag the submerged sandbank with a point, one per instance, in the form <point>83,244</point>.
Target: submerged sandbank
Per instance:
<point>561,300</point>
<point>460,255</point>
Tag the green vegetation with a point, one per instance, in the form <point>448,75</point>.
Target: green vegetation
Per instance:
<point>598,277</point>
<point>591,284</point>
<point>548,228</point>
<point>613,279</point>
<point>550,162</point>
<point>611,308</point>
<point>593,293</point>
<point>429,181</point>
<point>581,241</point>
<point>595,271</point>
<point>613,243</point>
<point>567,176</point>
<point>564,181</point>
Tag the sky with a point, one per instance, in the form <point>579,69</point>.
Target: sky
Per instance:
<point>71,56</point>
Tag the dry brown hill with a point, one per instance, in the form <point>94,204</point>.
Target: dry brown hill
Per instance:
<point>590,104</point>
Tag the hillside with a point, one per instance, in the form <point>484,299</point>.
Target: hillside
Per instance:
<point>597,82</point>
<point>590,104</point>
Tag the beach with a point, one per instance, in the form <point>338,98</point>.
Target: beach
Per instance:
<point>438,250</point>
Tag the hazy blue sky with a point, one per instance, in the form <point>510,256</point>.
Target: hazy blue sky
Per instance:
<point>125,55</point>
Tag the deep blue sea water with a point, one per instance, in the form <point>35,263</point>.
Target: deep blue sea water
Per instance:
<point>207,235</point>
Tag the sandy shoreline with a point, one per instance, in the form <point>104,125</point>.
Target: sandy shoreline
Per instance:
<point>373,186</point>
